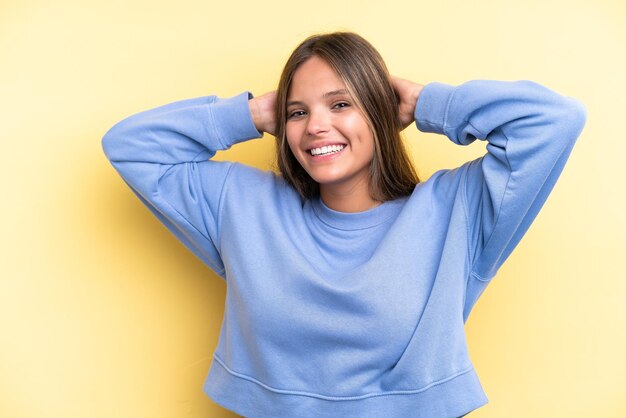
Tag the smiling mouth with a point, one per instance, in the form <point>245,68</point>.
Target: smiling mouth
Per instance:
<point>326,150</point>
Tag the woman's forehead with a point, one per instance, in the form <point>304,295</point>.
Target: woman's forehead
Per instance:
<point>315,77</point>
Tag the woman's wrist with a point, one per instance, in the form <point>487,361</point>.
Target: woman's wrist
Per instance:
<point>255,113</point>
<point>417,90</point>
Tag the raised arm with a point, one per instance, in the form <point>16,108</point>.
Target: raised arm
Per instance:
<point>530,130</point>
<point>162,154</point>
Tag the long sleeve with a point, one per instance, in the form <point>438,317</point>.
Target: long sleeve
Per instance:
<point>530,130</point>
<point>163,155</point>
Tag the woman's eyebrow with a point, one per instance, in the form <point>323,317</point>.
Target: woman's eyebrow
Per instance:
<point>336,93</point>
<point>339,92</point>
<point>294,103</point>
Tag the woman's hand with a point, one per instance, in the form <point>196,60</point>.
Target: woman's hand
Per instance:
<point>408,94</point>
<point>262,111</point>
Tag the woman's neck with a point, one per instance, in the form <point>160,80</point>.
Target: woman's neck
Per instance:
<point>343,198</point>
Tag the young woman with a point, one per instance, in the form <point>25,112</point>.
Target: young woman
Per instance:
<point>348,280</point>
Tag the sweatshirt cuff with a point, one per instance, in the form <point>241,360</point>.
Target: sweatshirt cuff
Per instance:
<point>431,108</point>
<point>233,120</point>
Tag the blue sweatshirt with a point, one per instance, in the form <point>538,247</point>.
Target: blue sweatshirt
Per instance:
<point>333,314</point>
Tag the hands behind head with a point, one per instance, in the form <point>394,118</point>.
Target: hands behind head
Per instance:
<point>262,107</point>
<point>408,94</point>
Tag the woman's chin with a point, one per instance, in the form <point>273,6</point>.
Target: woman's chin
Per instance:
<point>326,180</point>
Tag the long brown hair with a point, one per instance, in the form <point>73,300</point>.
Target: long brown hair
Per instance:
<point>363,70</point>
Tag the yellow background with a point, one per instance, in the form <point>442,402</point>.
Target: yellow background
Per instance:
<point>103,313</point>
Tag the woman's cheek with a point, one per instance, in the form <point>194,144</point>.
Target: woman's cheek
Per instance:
<point>292,136</point>
<point>293,147</point>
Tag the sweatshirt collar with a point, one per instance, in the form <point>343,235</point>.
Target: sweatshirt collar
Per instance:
<point>356,220</point>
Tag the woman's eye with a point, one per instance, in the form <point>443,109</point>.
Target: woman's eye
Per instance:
<point>341,105</point>
<point>295,114</point>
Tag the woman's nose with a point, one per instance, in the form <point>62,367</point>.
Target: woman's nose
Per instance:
<point>318,123</point>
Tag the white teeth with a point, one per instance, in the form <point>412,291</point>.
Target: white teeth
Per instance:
<point>329,149</point>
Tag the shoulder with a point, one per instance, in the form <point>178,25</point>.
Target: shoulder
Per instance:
<point>244,174</point>
<point>445,184</point>
<point>254,185</point>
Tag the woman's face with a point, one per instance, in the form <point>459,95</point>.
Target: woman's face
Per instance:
<point>325,130</point>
